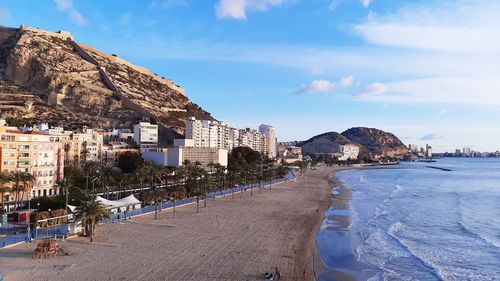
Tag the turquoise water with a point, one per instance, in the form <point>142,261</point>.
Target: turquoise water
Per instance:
<point>411,222</point>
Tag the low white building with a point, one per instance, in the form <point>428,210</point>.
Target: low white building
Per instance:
<point>185,150</point>
<point>349,151</point>
<point>146,134</point>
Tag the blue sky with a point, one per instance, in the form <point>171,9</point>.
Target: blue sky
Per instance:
<point>428,71</point>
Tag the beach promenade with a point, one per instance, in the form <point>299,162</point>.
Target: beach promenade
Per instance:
<point>231,239</point>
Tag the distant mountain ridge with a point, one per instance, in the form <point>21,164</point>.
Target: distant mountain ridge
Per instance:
<point>48,77</point>
<point>373,143</point>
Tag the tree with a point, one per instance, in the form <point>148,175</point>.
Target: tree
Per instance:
<point>90,213</point>
<point>65,186</point>
<point>84,153</point>
<point>5,178</point>
<point>155,197</point>
<point>22,183</point>
<point>175,192</point>
<point>129,162</point>
<point>27,183</point>
<point>67,148</point>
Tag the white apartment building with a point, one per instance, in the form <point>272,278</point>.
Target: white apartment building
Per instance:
<point>215,134</point>
<point>146,134</point>
<point>349,151</point>
<point>428,151</point>
<point>269,134</point>
<point>251,138</point>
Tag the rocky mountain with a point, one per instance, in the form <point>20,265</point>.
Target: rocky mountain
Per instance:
<point>373,143</point>
<point>48,77</point>
<point>325,143</point>
<point>377,142</point>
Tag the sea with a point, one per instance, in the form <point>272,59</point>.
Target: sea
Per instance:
<point>413,222</point>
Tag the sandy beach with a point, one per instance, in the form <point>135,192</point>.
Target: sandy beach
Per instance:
<point>231,239</point>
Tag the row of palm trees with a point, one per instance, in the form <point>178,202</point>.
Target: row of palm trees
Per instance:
<point>15,183</point>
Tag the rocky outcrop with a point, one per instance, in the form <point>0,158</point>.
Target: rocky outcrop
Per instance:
<point>84,86</point>
<point>377,142</point>
<point>372,143</point>
<point>325,143</point>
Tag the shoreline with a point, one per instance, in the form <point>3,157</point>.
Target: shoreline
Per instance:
<point>336,222</point>
<point>231,239</point>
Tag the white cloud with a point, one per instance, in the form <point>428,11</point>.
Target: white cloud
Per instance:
<point>334,4</point>
<point>347,81</point>
<point>443,111</point>
<point>74,15</point>
<point>366,3</point>
<point>316,70</point>
<point>64,5</point>
<point>237,9</point>
<point>454,90</point>
<point>373,91</point>
<point>430,137</point>
<point>322,85</point>
<point>458,27</point>
<point>316,86</point>
<point>77,18</point>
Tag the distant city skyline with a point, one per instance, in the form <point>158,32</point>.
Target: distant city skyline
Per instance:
<point>425,70</point>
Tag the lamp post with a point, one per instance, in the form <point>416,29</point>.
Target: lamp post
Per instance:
<point>37,206</point>
<point>29,217</point>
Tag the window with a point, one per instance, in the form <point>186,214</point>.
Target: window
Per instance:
<point>24,147</point>
<point>8,138</point>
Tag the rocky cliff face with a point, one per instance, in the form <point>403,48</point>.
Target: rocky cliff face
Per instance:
<point>325,143</point>
<point>377,142</point>
<point>47,77</point>
<point>373,143</point>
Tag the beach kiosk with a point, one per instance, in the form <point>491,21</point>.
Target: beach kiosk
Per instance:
<point>118,206</point>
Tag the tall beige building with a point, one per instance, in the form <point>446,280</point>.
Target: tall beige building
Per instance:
<point>269,134</point>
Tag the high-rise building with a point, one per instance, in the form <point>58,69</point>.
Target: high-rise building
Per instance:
<point>428,151</point>
<point>269,134</point>
<point>413,148</point>
<point>216,134</point>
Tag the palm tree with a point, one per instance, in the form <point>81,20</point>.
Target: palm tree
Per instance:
<point>155,197</point>
<point>67,148</point>
<point>22,183</point>
<point>27,183</point>
<point>175,191</point>
<point>90,213</point>
<point>5,178</point>
<point>84,153</point>
<point>65,185</point>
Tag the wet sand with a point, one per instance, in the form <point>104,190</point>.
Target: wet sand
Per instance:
<point>334,240</point>
<point>231,239</point>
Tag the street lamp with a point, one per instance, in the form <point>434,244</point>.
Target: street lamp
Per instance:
<point>29,217</point>
<point>37,206</point>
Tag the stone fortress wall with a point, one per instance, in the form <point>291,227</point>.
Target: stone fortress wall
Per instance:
<point>59,34</point>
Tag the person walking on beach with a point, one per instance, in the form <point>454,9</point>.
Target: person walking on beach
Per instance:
<point>277,273</point>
